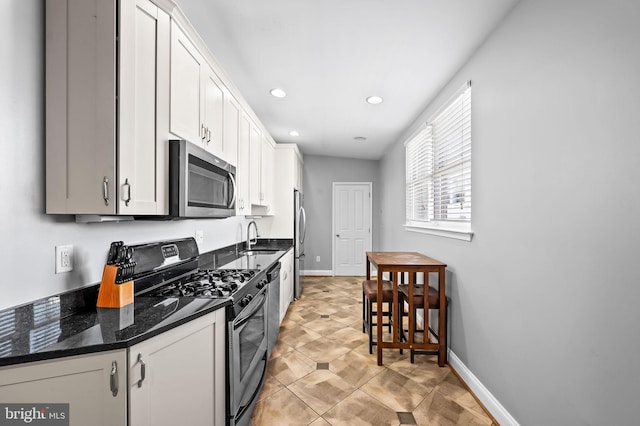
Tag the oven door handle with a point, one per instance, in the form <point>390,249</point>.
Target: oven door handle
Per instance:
<point>244,317</point>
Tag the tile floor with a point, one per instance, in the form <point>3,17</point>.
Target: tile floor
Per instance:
<point>321,372</point>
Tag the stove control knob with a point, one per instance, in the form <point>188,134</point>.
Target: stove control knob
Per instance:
<point>245,300</point>
<point>262,284</point>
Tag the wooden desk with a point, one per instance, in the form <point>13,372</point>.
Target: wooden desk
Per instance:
<point>396,263</point>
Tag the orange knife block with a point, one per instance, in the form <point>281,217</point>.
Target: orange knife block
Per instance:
<point>111,294</point>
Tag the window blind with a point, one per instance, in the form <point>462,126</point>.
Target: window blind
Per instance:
<point>438,164</point>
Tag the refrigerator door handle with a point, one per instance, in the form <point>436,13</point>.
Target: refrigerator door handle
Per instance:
<point>303,217</point>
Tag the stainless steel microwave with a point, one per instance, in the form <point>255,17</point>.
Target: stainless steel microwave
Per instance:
<point>201,185</point>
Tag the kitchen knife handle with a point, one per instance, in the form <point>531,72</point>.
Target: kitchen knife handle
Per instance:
<point>113,252</point>
<point>114,378</point>
<point>143,370</point>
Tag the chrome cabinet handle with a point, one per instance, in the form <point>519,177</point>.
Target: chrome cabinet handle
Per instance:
<point>208,135</point>
<point>127,186</point>
<point>203,132</point>
<point>105,190</point>
<point>113,381</point>
<point>143,370</point>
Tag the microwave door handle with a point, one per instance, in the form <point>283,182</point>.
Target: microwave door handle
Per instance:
<point>233,183</point>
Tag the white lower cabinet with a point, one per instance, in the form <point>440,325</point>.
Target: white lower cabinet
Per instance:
<point>85,382</point>
<point>286,282</point>
<point>178,377</point>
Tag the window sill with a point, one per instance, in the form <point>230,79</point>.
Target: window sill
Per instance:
<point>441,231</point>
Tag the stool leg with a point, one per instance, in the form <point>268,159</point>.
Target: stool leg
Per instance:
<point>370,315</point>
<point>364,314</point>
<point>415,318</point>
<point>400,308</point>
<point>389,314</point>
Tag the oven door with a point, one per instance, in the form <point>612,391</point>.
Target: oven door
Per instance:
<point>248,358</point>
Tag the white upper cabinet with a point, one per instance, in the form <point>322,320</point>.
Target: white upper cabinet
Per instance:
<point>255,165</point>
<point>261,159</point>
<point>186,87</point>
<point>106,139</point>
<point>197,96</point>
<point>243,204</point>
<point>288,175</point>
<point>231,129</point>
<point>213,110</point>
<point>143,128</point>
<point>267,173</point>
<point>122,78</point>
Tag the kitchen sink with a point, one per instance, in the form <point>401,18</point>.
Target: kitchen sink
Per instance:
<point>258,252</point>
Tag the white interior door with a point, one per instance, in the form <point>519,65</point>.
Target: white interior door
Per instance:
<point>351,226</point>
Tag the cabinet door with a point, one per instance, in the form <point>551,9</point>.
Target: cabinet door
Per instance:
<point>144,94</point>
<point>242,173</point>
<point>255,165</point>
<point>80,106</point>
<point>212,112</point>
<point>83,382</point>
<point>184,375</point>
<point>299,170</point>
<point>185,120</point>
<point>266,174</point>
<point>231,129</point>
<point>286,286</point>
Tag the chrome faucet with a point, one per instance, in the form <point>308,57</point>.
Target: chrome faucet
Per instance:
<point>249,240</point>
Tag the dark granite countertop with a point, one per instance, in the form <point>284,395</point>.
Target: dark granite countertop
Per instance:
<point>70,324</point>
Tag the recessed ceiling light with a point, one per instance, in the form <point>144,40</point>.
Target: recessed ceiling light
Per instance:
<point>360,138</point>
<point>294,133</point>
<point>375,100</point>
<point>278,93</point>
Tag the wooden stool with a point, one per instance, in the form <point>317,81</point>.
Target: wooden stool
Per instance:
<point>369,297</point>
<point>418,303</point>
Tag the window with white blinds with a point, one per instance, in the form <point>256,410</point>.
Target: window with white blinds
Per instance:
<point>438,166</point>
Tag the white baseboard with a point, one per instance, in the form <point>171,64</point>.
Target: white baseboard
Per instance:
<point>319,272</point>
<point>488,400</point>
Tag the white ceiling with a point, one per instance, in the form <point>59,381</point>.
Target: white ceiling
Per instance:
<point>329,55</point>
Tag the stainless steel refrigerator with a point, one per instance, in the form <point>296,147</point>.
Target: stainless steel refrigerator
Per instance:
<point>299,230</point>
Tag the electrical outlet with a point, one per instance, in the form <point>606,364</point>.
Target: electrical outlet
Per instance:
<point>317,258</point>
<point>199,236</point>
<point>64,259</point>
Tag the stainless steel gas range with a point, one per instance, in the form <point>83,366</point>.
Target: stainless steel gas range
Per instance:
<point>170,269</point>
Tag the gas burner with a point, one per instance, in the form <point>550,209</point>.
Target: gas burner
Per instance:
<point>207,283</point>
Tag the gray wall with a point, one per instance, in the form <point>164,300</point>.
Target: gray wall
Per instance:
<point>28,236</point>
<point>544,299</point>
<point>319,174</point>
